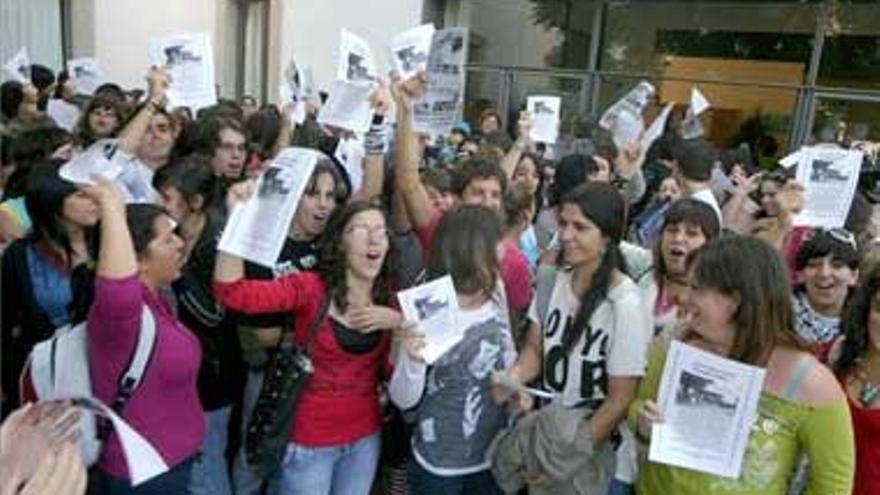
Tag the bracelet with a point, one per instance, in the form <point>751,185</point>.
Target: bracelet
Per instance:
<point>376,137</point>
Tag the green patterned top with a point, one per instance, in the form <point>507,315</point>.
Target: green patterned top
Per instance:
<point>783,429</point>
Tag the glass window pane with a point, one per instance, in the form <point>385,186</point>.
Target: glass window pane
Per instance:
<point>649,38</point>
<point>846,120</point>
<point>528,33</point>
<point>759,117</point>
<point>483,90</point>
<point>851,52</point>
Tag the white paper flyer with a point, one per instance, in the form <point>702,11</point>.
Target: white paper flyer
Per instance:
<point>544,111</point>
<point>410,50</point>
<point>100,159</point>
<point>348,107</point>
<point>655,130</point>
<point>64,114</point>
<point>624,118</point>
<point>86,74</point>
<point>356,62</point>
<point>189,60</point>
<point>433,307</point>
<point>691,127</point>
<point>440,107</point>
<point>143,460</point>
<point>18,68</point>
<point>829,176</point>
<point>256,229</point>
<point>709,404</point>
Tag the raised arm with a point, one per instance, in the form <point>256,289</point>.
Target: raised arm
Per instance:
<point>406,154</point>
<point>116,257</point>
<point>133,133</point>
<point>374,145</point>
<point>523,142</point>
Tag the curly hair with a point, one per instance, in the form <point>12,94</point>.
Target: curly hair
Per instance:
<point>854,324</point>
<point>334,263</point>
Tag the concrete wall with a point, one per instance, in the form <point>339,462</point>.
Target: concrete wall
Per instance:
<point>117,32</point>
<point>308,30</point>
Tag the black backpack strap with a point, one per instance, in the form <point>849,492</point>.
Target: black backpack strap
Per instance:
<point>313,327</point>
<point>140,359</point>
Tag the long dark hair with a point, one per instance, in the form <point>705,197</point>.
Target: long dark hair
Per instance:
<point>333,264</point>
<point>45,193</point>
<point>465,247</point>
<point>140,218</point>
<point>753,272</point>
<point>605,207</point>
<point>854,324</point>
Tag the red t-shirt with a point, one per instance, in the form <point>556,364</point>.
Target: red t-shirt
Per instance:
<point>340,403</point>
<point>866,429</point>
<point>514,268</point>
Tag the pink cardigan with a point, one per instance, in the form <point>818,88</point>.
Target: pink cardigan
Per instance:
<point>165,408</point>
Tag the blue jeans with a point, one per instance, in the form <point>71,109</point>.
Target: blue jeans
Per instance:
<point>210,474</point>
<point>245,481</point>
<point>172,482</point>
<point>339,470</point>
<point>618,487</point>
<point>423,482</point>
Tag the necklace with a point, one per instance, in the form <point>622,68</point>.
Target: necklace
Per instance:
<point>869,394</point>
<point>870,391</point>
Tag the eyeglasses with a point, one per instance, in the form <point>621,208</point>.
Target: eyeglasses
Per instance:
<point>840,235</point>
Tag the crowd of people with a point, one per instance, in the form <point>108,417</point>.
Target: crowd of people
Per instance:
<point>574,266</point>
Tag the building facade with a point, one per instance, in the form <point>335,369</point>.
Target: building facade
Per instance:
<point>779,72</point>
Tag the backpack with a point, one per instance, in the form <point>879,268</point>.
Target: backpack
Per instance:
<point>59,369</point>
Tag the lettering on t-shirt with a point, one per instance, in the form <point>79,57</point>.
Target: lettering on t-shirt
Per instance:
<point>585,364</point>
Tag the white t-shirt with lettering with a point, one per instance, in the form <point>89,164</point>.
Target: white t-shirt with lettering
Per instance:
<point>615,344</point>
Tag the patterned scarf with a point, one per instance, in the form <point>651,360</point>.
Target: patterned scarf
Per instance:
<point>812,326</point>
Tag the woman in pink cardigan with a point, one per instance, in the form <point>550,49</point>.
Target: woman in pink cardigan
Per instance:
<point>139,256</point>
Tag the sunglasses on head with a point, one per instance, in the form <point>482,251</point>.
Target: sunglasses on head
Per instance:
<point>840,235</point>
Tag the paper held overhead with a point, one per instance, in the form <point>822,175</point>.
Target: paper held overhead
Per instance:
<point>66,115</point>
<point>691,127</point>
<point>623,119</point>
<point>189,60</point>
<point>356,62</point>
<point>829,176</point>
<point>440,107</point>
<point>86,74</point>
<point>544,112</point>
<point>699,103</point>
<point>256,229</point>
<point>657,127</point>
<point>348,107</point>
<point>102,159</point>
<point>18,68</point>
<point>297,87</point>
<point>410,49</point>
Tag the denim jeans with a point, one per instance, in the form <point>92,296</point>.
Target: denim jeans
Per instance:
<point>618,487</point>
<point>245,481</point>
<point>172,482</point>
<point>423,482</point>
<point>210,474</point>
<point>346,469</point>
